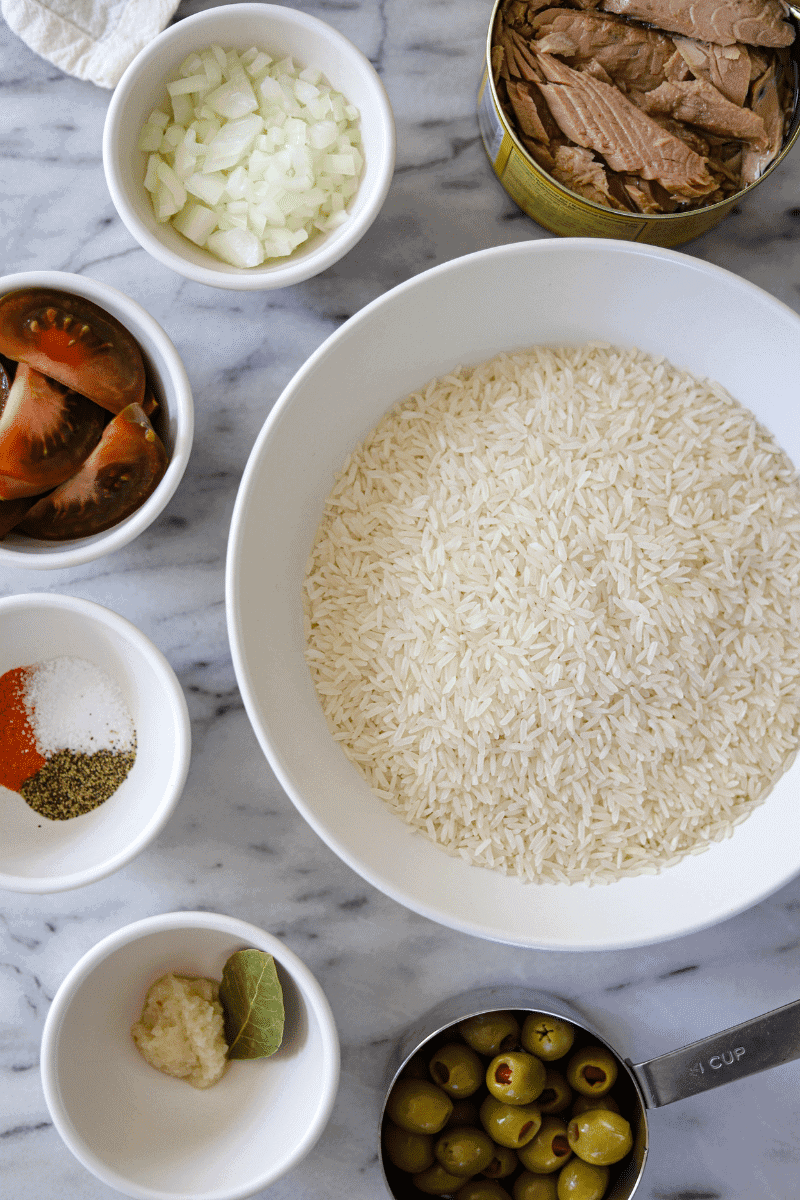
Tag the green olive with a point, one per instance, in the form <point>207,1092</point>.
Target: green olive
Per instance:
<point>482,1189</point>
<point>556,1094</point>
<point>592,1071</point>
<point>585,1103</point>
<point>547,1037</point>
<point>435,1181</point>
<point>464,1151</point>
<point>504,1162</point>
<point>548,1150</point>
<point>510,1125</point>
<point>600,1137</point>
<point>418,1106</point>
<point>412,1152</point>
<point>516,1077</point>
<point>528,1186</point>
<point>465,1112</point>
<point>457,1069</point>
<point>579,1180</point>
<point>491,1033</point>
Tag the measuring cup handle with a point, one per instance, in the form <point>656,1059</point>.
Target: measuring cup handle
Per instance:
<point>742,1050</point>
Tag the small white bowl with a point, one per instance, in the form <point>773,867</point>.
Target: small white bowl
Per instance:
<point>157,1138</point>
<point>276,29</point>
<point>174,423</point>
<point>39,855</point>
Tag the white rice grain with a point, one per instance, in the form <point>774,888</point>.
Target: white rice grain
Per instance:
<point>550,613</point>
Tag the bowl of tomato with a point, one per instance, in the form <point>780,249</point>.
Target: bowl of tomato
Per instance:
<point>96,419</point>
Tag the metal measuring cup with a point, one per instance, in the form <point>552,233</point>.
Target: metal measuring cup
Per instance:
<point>742,1050</point>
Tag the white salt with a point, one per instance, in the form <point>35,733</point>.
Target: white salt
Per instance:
<point>73,705</point>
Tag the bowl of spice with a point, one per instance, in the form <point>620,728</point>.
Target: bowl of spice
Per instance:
<point>249,146</point>
<point>211,1043</point>
<point>94,742</point>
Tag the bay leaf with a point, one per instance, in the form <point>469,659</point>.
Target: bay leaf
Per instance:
<point>252,1000</point>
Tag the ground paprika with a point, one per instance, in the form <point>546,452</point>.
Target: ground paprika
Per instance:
<point>19,758</point>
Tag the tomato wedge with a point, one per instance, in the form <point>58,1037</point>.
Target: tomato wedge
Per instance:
<point>46,432</point>
<point>12,512</point>
<point>74,341</point>
<point>120,473</point>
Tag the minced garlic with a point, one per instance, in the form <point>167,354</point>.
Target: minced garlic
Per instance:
<point>181,1030</point>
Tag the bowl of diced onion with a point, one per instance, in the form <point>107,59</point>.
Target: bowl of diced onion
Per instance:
<point>249,146</point>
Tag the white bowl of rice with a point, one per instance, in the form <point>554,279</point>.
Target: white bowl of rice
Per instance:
<point>249,146</point>
<point>516,623</point>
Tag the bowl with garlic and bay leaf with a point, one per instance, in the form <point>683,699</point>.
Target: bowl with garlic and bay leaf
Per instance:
<point>209,1041</point>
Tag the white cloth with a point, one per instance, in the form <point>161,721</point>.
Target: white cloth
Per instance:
<point>93,39</point>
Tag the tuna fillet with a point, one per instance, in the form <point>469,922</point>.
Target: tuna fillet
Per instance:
<point>647,197</point>
<point>727,68</point>
<point>756,22</point>
<point>631,55</point>
<point>767,104</point>
<point>600,118</point>
<point>575,168</point>
<point>698,103</point>
<point>524,105</point>
<point>692,137</point>
<point>521,60</point>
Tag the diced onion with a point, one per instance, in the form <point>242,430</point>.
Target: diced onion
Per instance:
<point>170,180</point>
<point>239,247</point>
<point>258,156</point>
<point>150,137</point>
<point>196,222</point>
<point>192,83</point>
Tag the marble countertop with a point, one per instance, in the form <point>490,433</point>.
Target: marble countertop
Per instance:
<point>235,843</point>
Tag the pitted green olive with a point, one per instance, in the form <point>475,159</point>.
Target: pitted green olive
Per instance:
<point>600,1137</point>
<point>456,1069</point>
<point>579,1180</point>
<point>592,1071</point>
<point>516,1077</point>
<point>418,1106</point>
<point>504,1162</point>
<point>491,1033</point>
<point>464,1151</point>
<point>556,1095</point>
<point>482,1189</point>
<point>547,1037</point>
<point>435,1181</point>
<point>528,1186</point>
<point>510,1125</point>
<point>548,1150</point>
<point>411,1152</point>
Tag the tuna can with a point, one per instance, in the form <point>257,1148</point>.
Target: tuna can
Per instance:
<point>563,211</point>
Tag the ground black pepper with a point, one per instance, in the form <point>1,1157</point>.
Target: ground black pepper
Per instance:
<point>71,784</point>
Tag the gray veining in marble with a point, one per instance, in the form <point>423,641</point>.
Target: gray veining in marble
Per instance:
<point>235,843</point>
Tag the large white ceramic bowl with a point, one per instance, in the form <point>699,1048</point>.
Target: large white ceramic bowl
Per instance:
<point>157,1138</point>
<point>507,298</point>
<point>40,855</point>
<point>278,29</point>
<point>174,423</point>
